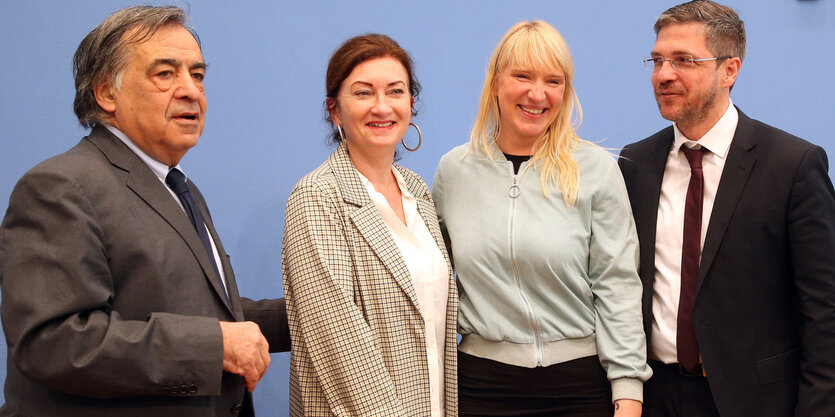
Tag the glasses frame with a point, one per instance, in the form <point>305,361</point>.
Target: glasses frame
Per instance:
<point>651,65</point>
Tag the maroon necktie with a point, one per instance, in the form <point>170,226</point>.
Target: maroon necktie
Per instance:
<point>688,347</point>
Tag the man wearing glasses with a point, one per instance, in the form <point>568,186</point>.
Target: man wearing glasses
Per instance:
<point>736,221</point>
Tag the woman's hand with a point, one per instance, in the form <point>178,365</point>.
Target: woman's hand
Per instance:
<point>627,408</point>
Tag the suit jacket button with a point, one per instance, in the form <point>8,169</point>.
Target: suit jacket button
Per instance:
<point>183,389</point>
<point>237,408</point>
<point>192,389</point>
<point>165,390</point>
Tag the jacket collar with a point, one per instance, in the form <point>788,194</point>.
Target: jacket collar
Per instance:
<point>350,184</point>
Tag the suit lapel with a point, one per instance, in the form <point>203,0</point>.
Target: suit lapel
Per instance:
<point>650,183</point>
<point>231,285</point>
<point>148,187</point>
<point>741,159</point>
<point>369,223</point>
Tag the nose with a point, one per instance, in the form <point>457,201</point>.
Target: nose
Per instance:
<point>187,87</point>
<point>665,72</point>
<point>537,92</point>
<point>381,106</point>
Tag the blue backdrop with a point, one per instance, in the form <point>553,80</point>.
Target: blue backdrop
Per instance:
<point>265,89</point>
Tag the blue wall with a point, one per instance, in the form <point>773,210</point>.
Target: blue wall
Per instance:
<point>266,87</point>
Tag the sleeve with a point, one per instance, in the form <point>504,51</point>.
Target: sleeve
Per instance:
<point>811,223</point>
<point>438,198</point>
<point>58,295</point>
<point>613,258</point>
<point>271,316</point>
<point>332,342</point>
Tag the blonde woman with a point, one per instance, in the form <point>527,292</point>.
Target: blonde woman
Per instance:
<point>544,247</point>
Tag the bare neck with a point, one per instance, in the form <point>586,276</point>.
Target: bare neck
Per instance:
<point>515,145</point>
<point>374,165</point>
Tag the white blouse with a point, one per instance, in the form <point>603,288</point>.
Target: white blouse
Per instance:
<point>428,269</point>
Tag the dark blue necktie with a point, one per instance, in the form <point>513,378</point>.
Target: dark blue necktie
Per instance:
<point>177,181</point>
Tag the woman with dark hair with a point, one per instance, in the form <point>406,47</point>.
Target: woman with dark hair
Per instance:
<point>544,245</point>
<point>371,299</point>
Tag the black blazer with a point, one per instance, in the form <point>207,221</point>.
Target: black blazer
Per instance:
<point>110,303</point>
<point>765,297</point>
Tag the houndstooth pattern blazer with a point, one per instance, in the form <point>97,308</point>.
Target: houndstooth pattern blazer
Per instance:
<point>358,344</point>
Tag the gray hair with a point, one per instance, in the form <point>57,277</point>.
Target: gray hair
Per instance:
<point>724,30</point>
<point>102,56</point>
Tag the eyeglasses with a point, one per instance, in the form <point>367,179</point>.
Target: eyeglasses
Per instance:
<point>678,62</point>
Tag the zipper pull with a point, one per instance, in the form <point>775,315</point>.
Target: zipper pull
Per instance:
<point>514,189</point>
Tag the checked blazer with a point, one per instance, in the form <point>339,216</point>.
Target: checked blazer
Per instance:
<point>358,345</point>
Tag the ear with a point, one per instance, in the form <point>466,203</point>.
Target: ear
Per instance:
<point>413,104</point>
<point>731,71</point>
<point>105,97</point>
<point>332,110</point>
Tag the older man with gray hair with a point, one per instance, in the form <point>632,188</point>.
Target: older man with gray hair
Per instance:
<point>118,298</point>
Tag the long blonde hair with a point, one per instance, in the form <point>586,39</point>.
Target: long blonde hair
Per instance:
<point>535,45</point>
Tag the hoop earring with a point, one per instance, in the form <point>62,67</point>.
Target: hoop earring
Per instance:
<point>420,139</point>
<point>341,135</point>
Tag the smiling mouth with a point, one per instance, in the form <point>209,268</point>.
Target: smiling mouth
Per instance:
<point>531,110</point>
<point>380,124</point>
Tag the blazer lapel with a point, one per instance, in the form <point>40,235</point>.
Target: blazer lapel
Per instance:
<point>650,192</point>
<point>148,187</point>
<point>231,285</point>
<point>368,221</point>
<point>426,209</point>
<point>741,159</point>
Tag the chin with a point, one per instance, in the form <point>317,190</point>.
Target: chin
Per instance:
<point>667,112</point>
<point>186,143</point>
<point>669,116</point>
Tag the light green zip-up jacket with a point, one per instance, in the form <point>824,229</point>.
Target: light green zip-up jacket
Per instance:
<point>539,282</point>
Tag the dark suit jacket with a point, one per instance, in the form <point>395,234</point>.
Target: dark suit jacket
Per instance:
<point>765,298</point>
<point>110,305</point>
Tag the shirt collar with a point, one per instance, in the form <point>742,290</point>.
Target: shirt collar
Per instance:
<point>718,139</point>
<point>401,183</point>
<point>158,168</point>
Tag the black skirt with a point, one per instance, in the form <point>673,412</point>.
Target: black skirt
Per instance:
<point>574,388</point>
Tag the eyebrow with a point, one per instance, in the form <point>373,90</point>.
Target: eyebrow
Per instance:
<point>677,52</point>
<point>176,63</point>
<point>547,73</point>
<point>370,84</point>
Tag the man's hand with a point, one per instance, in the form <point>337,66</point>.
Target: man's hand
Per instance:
<point>628,408</point>
<point>245,351</point>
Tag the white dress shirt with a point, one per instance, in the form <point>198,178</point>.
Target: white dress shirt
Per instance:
<point>669,232</point>
<point>429,273</point>
<point>161,171</point>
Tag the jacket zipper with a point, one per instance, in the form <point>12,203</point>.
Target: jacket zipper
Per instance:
<point>513,192</point>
